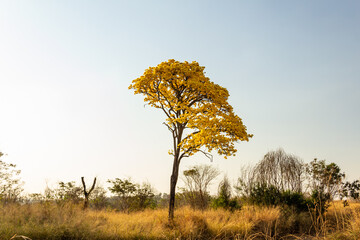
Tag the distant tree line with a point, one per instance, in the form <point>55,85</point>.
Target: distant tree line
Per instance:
<point>279,179</point>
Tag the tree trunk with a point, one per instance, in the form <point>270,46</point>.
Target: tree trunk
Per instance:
<point>202,199</point>
<point>173,181</point>
<point>87,194</point>
<point>86,201</point>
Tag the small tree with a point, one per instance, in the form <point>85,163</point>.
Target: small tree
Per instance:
<point>10,183</point>
<point>124,190</point>
<point>198,114</point>
<point>326,179</point>
<point>325,182</point>
<point>197,179</point>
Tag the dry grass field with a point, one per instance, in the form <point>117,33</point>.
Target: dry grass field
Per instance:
<point>68,221</point>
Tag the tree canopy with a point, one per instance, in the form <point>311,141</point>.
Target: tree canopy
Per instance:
<point>191,101</point>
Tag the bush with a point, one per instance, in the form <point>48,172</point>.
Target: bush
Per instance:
<point>271,196</point>
<point>295,200</point>
<point>229,204</point>
<point>264,195</point>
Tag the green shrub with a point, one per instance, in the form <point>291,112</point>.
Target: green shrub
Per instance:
<point>265,195</point>
<point>271,196</point>
<point>295,200</point>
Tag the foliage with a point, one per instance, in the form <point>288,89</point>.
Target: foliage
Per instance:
<point>145,196</point>
<point>224,200</point>
<point>197,179</point>
<point>350,190</point>
<point>326,179</point>
<point>122,188</point>
<point>10,183</point>
<point>265,195</point>
<point>161,200</point>
<point>271,196</point>
<point>279,179</point>
<point>190,100</point>
<point>68,191</point>
<point>198,114</point>
<point>325,182</point>
<point>98,198</point>
<point>296,200</point>
<point>132,196</point>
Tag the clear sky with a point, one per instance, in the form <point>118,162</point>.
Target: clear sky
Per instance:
<point>292,69</point>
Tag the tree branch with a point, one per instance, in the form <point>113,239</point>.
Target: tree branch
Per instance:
<point>93,186</point>
<point>167,125</point>
<point>83,183</point>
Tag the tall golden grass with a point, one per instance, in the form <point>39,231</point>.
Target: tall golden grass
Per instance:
<point>68,221</point>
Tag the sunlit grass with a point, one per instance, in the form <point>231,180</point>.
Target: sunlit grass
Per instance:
<point>51,221</point>
<point>69,221</point>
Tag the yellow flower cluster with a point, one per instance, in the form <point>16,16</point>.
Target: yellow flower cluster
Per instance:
<point>198,113</point>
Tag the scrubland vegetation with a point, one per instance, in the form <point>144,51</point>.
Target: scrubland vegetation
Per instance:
<point>48,220</point>
<point>278,198</point>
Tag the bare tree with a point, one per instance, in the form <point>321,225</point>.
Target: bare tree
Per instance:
<point>197,179</point>
<point>281,170</point>
<point>87,193</point>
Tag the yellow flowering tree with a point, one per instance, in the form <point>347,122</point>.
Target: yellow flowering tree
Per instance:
<point>198,114</point>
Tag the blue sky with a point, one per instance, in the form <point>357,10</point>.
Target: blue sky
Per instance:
<point>292,69</point>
